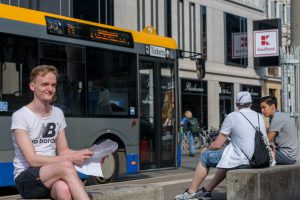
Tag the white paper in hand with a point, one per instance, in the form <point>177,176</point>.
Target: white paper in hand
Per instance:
<point>92,166</point>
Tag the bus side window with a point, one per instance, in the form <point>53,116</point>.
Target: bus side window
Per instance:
<point>99,101</point>
<point>11,88</point>
<point>17,57</point>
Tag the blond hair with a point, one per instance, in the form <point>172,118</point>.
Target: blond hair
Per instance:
<point>42,70</point>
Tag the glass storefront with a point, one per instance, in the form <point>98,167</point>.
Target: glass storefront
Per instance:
<point>226,99</point>
<point>194,98</point>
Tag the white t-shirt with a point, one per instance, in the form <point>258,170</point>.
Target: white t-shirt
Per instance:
<point>242,135</point>
<point>42,132</point>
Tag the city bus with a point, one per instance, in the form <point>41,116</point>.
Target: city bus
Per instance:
<point>113,83</point>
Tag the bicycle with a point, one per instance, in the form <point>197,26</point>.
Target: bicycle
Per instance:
<point>212,135</point>
<point>201,138</point>
<point>209,136</point>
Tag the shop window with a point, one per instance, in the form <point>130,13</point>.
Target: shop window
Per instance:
<point>194,98</point>
<point>272,92</point>
<point>226,99</point>
<point>236,41</point>
<point>273,71</point>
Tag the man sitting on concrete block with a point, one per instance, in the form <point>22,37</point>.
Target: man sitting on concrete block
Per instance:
<point>242,136</point>
<point>282,132</point>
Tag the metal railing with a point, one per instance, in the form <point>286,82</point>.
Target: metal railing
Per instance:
<point>290,80</point>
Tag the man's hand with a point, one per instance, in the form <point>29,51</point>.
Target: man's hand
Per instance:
<point>79,157</point>
<point>272,135</point>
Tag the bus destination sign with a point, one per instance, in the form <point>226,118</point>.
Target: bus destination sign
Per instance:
<point>88,32</point>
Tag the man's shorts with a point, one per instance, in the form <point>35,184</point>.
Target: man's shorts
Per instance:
<point>210,158</point>
<point>30,186</point>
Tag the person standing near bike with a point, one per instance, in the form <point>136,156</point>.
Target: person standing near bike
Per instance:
<point>191,128</point>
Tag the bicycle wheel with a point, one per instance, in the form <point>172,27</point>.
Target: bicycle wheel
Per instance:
<point>203,141</point>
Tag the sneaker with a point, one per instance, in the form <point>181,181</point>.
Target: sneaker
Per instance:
<point>273,163</point>
<point>186,195</point>
<point>202,194</point>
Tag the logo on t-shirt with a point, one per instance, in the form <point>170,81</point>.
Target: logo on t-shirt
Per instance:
<point>47,134</point>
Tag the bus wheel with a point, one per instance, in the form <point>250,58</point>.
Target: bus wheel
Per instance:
<point>110,170</point>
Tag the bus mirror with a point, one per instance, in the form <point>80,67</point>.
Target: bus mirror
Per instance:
<point>200,68</point>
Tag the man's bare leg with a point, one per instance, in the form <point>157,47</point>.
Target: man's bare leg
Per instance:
<point>60,191</point>
<point>66,172</point>
<point>219,176</point>
<point>199,175</point>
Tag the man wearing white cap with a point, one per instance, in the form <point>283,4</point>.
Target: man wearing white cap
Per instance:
<point>234,156</point>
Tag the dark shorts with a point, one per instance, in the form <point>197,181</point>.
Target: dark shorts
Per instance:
<point>30,186</point>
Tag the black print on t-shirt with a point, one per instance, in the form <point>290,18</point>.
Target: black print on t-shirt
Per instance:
<point>47,132</point>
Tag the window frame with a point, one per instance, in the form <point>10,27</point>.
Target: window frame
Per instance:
<point>243,61</point>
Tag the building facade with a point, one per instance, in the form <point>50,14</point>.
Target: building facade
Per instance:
<point>222,32</point>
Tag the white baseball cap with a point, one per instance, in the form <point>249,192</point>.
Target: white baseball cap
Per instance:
<point>243,98</point>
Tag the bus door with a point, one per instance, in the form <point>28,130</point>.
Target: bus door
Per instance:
<point>157,114</point>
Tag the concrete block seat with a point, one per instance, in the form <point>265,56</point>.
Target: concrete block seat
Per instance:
<point>126,192</point>
<point>117,192</point>
<point>277,182</point>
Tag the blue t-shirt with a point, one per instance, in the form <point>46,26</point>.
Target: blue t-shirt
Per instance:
<point>183,120</point>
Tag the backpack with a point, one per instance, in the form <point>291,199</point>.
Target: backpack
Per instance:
<point>262,156</point>
<point>194,125</point>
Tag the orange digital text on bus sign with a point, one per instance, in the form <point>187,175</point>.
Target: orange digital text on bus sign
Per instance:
<point>88,32</point>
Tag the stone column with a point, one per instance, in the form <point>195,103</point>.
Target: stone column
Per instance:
<point>295,33</point>
<point>295,23</point>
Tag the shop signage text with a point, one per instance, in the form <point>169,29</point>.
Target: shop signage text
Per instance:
<point>193,87</point>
